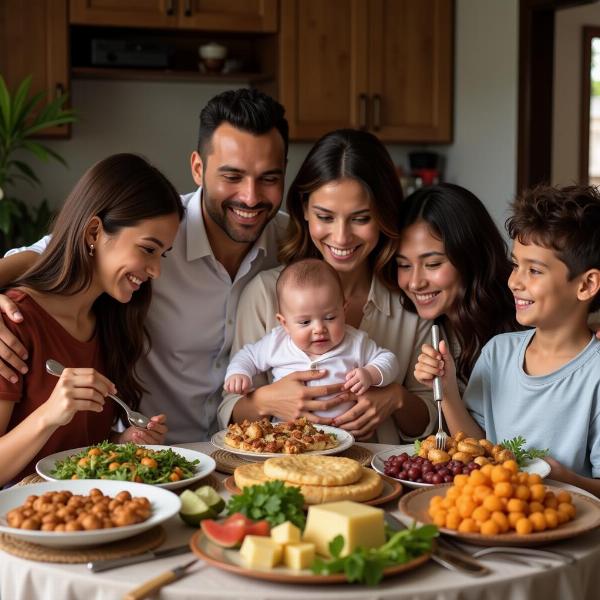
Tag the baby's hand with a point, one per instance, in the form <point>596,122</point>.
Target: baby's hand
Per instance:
<point>154,433</point>
<point>432,364</point>
<point>238,384</point>
<point>358,381</point>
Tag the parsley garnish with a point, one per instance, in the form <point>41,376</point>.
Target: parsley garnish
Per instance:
<point>522,454</point>
<point>367,566</point>
<point>272,501</point>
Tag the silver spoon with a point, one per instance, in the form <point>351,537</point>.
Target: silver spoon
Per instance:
<point>135,418</point>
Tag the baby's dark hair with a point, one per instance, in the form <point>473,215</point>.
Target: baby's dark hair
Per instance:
<point>307,272</point>
<point>566,220</point>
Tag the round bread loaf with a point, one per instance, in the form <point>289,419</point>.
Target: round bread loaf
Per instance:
<point>369,486</point>
<point>314,470</point>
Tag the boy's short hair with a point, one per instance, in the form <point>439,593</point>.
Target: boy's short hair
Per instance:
<point>307,272</point>
<point>245,109</point>
<point>566,220</point>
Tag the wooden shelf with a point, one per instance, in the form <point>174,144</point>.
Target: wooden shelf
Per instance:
<point>165,75</point>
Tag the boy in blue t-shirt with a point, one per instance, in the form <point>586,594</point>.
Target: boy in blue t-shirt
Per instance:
<point>542,383</point>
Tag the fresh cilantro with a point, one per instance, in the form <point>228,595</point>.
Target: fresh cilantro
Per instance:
<point>272,501</point>
<point>367,566</point>
<point>517,446</point>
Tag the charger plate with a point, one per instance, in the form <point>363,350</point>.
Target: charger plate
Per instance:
<point>230,560</point>
<point>415,504</point>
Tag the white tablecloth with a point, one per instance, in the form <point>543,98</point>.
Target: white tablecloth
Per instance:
<point>26,580</point>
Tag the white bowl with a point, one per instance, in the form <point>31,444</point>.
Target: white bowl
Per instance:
<point>212,50</point>
<point>164,504</point>
<point>206,466</point>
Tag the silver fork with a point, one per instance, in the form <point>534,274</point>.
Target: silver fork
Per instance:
<point>441,436</point>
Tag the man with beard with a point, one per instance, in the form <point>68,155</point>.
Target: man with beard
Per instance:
<point>228,235</point>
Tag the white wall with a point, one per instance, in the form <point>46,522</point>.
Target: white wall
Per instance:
<point>159,119</point>
<point>483,156</point>
<point>567,90</point>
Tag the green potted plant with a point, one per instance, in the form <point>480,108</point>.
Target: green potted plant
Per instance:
<point>21,118</point>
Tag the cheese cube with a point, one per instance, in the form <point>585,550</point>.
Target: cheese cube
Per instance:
<point>286,533</point>
<point>260,552</point>
<point>299,556</point>
<point>361,525</point>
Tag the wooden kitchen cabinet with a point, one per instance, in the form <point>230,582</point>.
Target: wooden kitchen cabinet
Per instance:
<point>380,65</point>
<point>34,41</point>
<point>207,15</point>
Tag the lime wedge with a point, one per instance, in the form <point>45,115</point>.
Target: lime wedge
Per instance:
<point>210,496</point>
<point>194,509</point>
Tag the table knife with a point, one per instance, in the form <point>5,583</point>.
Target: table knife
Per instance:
<point>454,560</point>
<point>153,585</point>
<point>112,563</point>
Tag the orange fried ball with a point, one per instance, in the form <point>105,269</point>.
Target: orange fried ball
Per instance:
<point>498,499</point>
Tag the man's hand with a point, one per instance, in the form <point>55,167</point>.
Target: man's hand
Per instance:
<point>12,351</point>
<point>371,409</point>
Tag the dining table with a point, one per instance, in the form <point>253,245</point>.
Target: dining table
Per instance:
<point>22,579</point>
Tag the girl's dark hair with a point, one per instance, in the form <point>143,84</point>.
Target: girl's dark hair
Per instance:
<point>353,154</point>
<point>121,190</point>
<point>566,220</point>
<point>484,305</point>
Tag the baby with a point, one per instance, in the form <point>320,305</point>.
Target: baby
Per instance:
<point>313,335</point>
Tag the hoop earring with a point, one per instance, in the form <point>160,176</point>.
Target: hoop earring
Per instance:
<point>91,252</point>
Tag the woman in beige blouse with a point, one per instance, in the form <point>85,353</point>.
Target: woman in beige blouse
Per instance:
<point>343,207</point>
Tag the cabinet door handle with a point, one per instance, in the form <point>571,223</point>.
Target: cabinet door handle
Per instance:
<point>187,8</point>
<point>376,112</point>
<point>363,100</point>
<point>59,90</point>
<point>170,8</point>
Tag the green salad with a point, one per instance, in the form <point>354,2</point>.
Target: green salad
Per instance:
<point>125,462</point>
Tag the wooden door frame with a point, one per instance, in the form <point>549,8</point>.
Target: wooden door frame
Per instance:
<point>536,80</point>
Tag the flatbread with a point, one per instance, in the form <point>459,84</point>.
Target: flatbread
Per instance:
<point>314,470</point>
<point>369,486</point>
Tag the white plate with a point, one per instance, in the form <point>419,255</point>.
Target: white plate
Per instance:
<point>345,441</point>
<point>165,504</point>
<point>537,465</point>
<point>205,467</point>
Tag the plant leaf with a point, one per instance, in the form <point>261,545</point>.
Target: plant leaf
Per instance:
<point>336,545</point>
<point>18,101</point>
<point>26,170</point>
<point>5,104</point>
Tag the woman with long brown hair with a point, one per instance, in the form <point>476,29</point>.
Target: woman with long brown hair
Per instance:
<point>84,304</point>
<point>453,267</point>
<point>343,207</point>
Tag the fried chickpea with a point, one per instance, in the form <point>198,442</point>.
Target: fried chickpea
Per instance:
<point>551,516</point>
<point>465,506</point>
<point>60,527</point>
<point>481,492</point>
<point>481,514</point>
<point>516,505</point>
<point>91,522</point>
<point>174,477</point>
<point>478,478</point>
<point>538,492</point>
<point>503,489</point>
<point>550,500</point>
<point>96,493</point>
<point>461,480</point>
<point>564,496</point>
<point>468,526</point>
<point>73,526</point>
<point>563,517</point>
<point>490,527</point>
<point>149,462</point>
<point>501,520</point>
<point>487,469</point>
<point>452,492</point>
<point>536,507</point>
<point>435,501</point>
<point>15,518</point>
<point>123,496</point>
<point>48,526</point>
<point>523,526</point>
<point>522,492</point>
<point>492,503</point>
<point>31,523</point>
<point>453,520</point>
<point>567,508</point>
<point>538,520</point>
<point>513,518</point>
<point>94,452</point>
<point>500,474</point>
<point>533,479</point>
<point>511,465</point>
